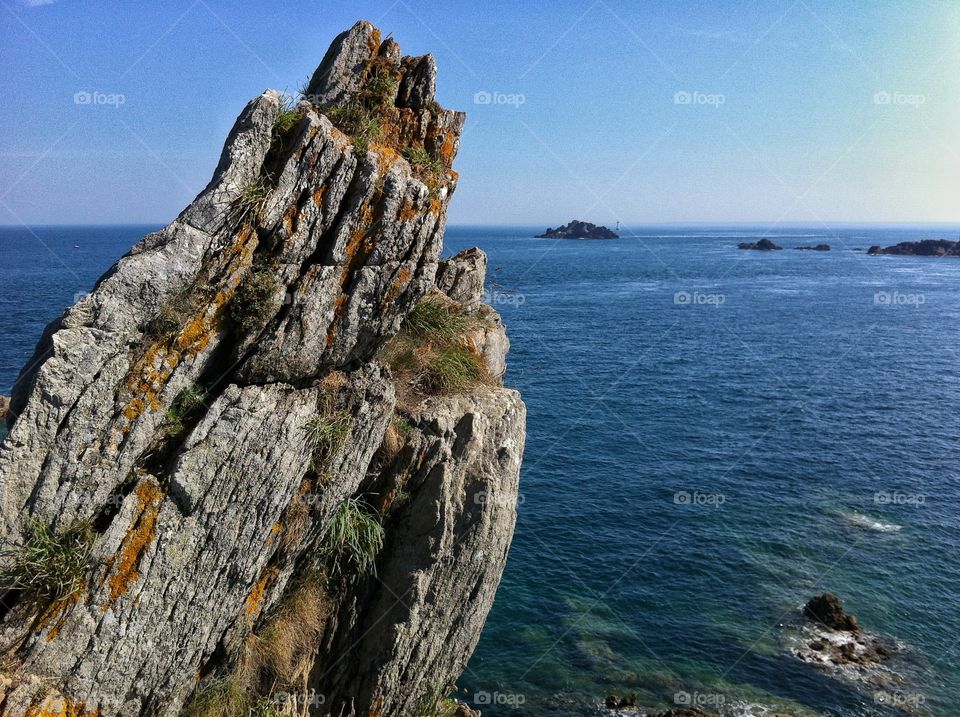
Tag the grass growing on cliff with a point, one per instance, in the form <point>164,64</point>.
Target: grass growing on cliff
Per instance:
<point>433,353</point>
<point>351,541</point>
<point>185,405</point>
<point>327,434</point>
<point>276,657</point>
<point>171,318</point>
<point>50,565</point>
<point>422,160</point>
<point>253,300</point>
<point>362,117</point>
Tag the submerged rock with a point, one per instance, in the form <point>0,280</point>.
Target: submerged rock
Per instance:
<point>926,247</point>
<point>200,428</point>
<point>579,230</point>
<point>762,245</point>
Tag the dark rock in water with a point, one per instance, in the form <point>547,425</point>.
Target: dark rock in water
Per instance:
<point>818,247</point>
<point>927,247</point>
<point>463,710</point>
<point>4,407</point>
<point>579,230</point>
<point>826,609</point>
<point>834,640</point>
<point>616,702</point>
<point>683,712</point>
<point>762,245</point>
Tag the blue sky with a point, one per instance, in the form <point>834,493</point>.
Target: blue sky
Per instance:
<point>777,111</point>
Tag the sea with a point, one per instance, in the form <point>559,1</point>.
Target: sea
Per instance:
<point>714,436</point>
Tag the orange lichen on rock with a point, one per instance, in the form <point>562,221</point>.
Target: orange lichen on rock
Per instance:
<point>448,149</point>
<point>151,372</point>
<point>338,307</point>
<point>125,564</point>
<point>61,707</point>
<point>397,286</point>
<point>255,598</point>
<point>319,195</point>
<point>407,210</point>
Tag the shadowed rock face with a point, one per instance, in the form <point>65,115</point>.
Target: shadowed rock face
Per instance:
<point>177,412</point>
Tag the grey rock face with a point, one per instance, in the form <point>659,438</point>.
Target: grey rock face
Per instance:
<point>446,551</point>
<point>217,398</point>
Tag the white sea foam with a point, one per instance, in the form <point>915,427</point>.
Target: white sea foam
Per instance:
<point>865,521</point>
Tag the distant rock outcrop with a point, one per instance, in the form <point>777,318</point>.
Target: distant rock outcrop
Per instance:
<point>579,230</point>
<point>926,247</point>
<point>817,247</point>
<point>762,245</point>
<point>269,457</point>
<point>834,640</point>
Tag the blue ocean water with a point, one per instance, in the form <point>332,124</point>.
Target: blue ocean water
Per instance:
<point>715,435</point>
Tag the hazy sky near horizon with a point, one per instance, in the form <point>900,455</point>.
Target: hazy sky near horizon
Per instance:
<point>776,111</point>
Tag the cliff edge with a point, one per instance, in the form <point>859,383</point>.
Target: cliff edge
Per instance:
<point>267,466</point>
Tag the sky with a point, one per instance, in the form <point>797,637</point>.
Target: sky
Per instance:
<point>673,111</point>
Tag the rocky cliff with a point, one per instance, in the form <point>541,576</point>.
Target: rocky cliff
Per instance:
<point>267,465</point>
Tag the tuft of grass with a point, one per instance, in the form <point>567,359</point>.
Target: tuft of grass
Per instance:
<point>287,119</point>
<point>437,317</point>
<point>452,367</point>
<point>351,541</point>
<point>171,318</point>
<point>276,658</point>
<point>327,434</point>
<point>433,353</point>
<point>184,406</point>
<point>49,567</point>
<point>401,424</point>
<point>420,158</point>
<point>253,300</point>
<point>358,121</point>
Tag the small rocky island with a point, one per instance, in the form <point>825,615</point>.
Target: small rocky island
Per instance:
<point>818,247</point>
<point>579,230</point>
<point>926,247</point>
<point>834,639</point>
<point>762,245</point>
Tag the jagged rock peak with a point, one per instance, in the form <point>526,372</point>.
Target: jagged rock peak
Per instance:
<point>358,53</point>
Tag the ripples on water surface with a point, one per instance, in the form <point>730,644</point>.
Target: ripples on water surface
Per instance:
<point>714,436</point>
